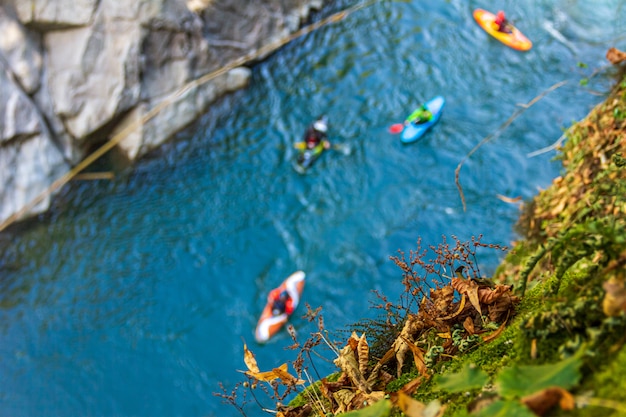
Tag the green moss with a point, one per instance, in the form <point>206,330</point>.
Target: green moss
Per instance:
<point>609,382</point>
<point>492,356</point>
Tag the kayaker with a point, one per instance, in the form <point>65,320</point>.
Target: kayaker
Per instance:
<point>281,302</point>
<point>316,133</point>
<point>421,115</point>
<point>502,24</point>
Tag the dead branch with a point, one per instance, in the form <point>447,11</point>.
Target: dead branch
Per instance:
<point>503,126</point>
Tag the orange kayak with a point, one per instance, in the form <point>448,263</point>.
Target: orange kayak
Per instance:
<point>515,39</point>
<point>269,324</point>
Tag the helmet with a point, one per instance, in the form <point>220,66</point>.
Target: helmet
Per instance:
<point>284,294</point>
<point>500,15</point>
<point>321,124</point>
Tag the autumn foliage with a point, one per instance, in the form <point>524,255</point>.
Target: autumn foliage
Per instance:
<point>438,316</point>
<point>568,329</point>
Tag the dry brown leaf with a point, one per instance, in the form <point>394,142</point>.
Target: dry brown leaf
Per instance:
<point>363,352</point>
<point>413,408</point>
<point>409,406</point>
<point>263,376</point>
<point>327,388</point>
<point>375,396</point>
<point>542,401</point>
<point>412,325</point>
<point>497,333</point>
<point>387,357</point>
<point>459,310</point>
<point>304,410</point>
<point>558,208</point>
<point>511,200</point>
<point>379,379</point>
<point>347,362</point>
<point>418,358</point>
<point>468,325</point>
<point>267,376</point>
<point>286,376</point>
<point>488,295</point>
<point>249,360</point>
<point>615,56</point>
<point>442,298</point>
<point>410,387</point>
<point>469,288</point>
<point>614,302</point>
<point>344,398</point>
<point>362,399</point>
<point>502,307</point>
<point>353,341</point>
<point>377,371</point>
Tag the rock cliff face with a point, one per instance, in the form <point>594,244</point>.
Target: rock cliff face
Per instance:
<point>75,72</point>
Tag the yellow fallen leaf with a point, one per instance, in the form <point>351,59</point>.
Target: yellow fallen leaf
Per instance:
<point>511,200</point>
<point>269,375</point>
<point>409,406</point>
<point>363,353</point>
<point>250,361</point>
<point>472,293</point>
<point>413,408</point>
<point>347,362</point>
<point>614,302</point>
<point>375,396</point>
<point>343,397</point>
<point>286,376</point>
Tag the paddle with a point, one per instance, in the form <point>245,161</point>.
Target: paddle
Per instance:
<point>334,146</point>
<point>396,128</point>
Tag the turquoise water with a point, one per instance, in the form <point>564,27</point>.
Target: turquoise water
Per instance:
<point>134,296</point>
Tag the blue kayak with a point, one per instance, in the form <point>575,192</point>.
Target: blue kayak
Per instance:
<point>413,131</point>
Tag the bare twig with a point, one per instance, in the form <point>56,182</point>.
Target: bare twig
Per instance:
<point>95,176</point>
<point>503,126</point>
<point>552,147</point>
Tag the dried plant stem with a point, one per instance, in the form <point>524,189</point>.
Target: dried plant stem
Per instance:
<point>317,400</point>
<point>503,126</point>
<point>333,348</point>
<point>554,146</point>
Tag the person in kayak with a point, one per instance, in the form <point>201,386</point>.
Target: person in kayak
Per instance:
<point>316,134</point>
<point>419,116</point>
<point>502,24</point>
<point>281,302</point>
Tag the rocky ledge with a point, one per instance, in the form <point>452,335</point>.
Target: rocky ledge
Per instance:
<point>75,72</point>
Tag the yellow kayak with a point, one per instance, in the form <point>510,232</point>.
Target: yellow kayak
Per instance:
<point>515,39</point>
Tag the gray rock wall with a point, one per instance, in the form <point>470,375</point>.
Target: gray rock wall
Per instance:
<point>75,72</point>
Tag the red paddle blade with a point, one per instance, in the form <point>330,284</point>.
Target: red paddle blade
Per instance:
<point>396,128</point>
